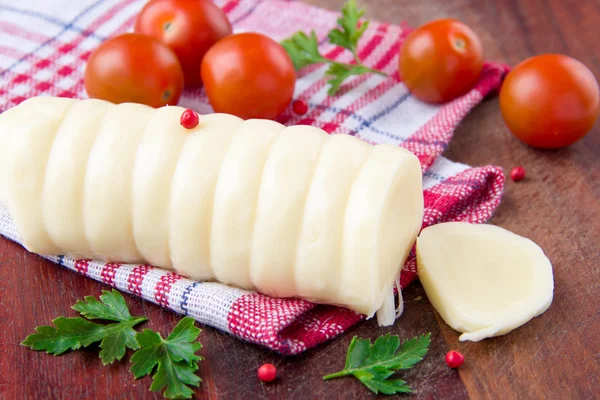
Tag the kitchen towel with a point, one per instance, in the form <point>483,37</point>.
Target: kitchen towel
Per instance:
<point>43,50</point>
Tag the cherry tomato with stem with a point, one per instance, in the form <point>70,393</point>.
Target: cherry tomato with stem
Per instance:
<point>134,68</point>
<point>441,61</point>
<point>550,101</point>
<point>248,75</point>
<point>188,27</point>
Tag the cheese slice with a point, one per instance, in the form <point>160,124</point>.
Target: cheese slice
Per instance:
<point>7,124</point>
<point>32,129</point>
<point>107,190</point>
<point>383,215</point>
<point>483,280</point>
<point>320,238</point>
<point>290,166</point>
<point>155,162</point>
<point>192,193</point>
<point>236,198</point>
<point>66,168</point>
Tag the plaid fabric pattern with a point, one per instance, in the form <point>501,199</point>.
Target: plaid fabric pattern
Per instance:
<point>43,50</point>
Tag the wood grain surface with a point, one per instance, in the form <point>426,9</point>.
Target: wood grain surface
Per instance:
<point>555,356</point>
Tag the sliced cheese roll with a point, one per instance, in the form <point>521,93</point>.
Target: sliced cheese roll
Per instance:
<point>288,211</point>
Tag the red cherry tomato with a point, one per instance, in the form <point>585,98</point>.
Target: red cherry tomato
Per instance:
<point>134,68</point>
<point>188,27</point>
<point>550,101</point>
<point>440,61</point>
<point>249,75</point>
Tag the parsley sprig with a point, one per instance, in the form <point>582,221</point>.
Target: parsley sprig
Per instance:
<point>173,359</point>
<point>374,364</point>
<point>303,49</point>
<point>77,332</point>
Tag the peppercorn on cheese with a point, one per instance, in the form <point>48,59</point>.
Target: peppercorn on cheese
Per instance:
<point>288,211</point>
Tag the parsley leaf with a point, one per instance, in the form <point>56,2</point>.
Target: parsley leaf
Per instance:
<point>348,36</point>
<point>74,333</point>
<point>303,49</point>
<point>111,307</point>
<point>373,364</point>
<point>339,73</point>
<point>174,358</point>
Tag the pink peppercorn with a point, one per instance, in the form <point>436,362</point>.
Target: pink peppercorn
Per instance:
<point>454,359</point>
<point>517,174</point>
<point>189,119</point>
<point>267,373</point>
<point>299,107</point>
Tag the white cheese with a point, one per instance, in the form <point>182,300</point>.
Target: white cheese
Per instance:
<point>320,238</point>
<point>192,193</point>
<point>107,191</point>
<point>483,280</point>
<point>236,197</point>
<point>67,165</point>
<point>155,162</point>
<point>32,130</point>
<point>284,187</point>
<point>287,211</point>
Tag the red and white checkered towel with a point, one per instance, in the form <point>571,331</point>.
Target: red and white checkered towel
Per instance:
<point>43,49</point>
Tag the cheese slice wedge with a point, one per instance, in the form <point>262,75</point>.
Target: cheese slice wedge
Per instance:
<point>483,280</point>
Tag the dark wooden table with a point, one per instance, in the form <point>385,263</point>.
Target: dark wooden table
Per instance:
<point>554,356</point>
